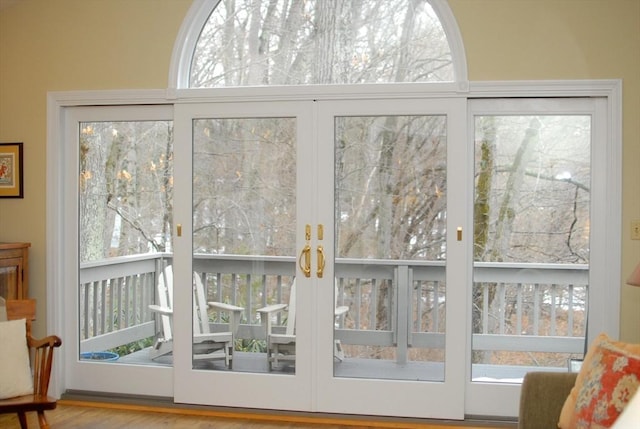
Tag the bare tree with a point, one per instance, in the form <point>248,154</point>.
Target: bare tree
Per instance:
<point>126,188</point>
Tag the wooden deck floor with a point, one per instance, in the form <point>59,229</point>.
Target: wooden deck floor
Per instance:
<point>353,367</point>
<point>72,414</point>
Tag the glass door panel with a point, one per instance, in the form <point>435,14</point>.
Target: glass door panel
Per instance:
<point>391,195</point>
<point>392,286</point>
<point>124,202</point>
<point>533,213</point>
<point>123,173</point>
<point>124,208</point>
<point>531,242</point>
<point>244,238</point>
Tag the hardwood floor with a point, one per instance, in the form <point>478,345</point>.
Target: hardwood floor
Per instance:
<point>79,414</point>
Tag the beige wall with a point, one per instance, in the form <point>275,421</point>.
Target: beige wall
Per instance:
<point>56,45</point>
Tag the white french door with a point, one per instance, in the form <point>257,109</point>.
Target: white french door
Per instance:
<point>225,136</point>
<point>272,193</point>
<point>393,185</point>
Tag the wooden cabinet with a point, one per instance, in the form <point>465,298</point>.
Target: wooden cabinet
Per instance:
<point>14,270</point>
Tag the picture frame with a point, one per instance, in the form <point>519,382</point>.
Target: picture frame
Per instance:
<point>11,174</point>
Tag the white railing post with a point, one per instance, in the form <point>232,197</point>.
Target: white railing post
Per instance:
<point>402,318</point>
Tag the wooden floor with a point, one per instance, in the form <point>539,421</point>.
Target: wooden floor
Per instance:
<point>78,414</point>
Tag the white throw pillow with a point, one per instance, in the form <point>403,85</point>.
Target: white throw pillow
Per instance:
<point>15,370</point>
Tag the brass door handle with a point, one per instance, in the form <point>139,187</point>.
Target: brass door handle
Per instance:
<point>306,253</point>
<point>320,253</point>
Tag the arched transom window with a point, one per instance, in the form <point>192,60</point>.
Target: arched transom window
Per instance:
<point>301,42</point>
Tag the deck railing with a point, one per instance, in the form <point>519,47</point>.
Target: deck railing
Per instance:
<point>516,307</point>
<point>114,297</point>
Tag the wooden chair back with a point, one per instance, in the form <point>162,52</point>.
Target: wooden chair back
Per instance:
<point>41,355</point>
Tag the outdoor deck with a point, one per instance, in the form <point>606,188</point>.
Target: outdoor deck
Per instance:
<point>352,368</point>
<point>532,308</point>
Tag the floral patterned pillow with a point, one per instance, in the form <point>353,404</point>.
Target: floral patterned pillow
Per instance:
<point>608,379</point>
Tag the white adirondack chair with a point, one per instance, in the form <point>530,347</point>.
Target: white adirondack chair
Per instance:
<point>339,313</point>
<point>282,346</point>
<point>207,345</point>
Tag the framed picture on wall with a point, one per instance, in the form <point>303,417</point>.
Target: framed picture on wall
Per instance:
<point>11,185</point>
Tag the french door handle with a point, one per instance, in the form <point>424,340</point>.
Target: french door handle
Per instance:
<point>320,253</point>
<point>306,254</point>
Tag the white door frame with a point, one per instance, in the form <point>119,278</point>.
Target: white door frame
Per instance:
<point>61,267</point>
<point>502,399</point>
<point>86,375</point>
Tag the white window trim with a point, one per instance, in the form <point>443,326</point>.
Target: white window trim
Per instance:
<point>200,10</point>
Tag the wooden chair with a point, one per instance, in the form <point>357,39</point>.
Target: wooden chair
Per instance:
<point>41,352</point>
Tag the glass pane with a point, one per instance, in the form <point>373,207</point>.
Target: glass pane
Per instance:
<point>9,279</point>
<point>125,198</point>
<point>248,42</point>
<point>390,214</point>
<point>531,243</point>
<point>244,220</point>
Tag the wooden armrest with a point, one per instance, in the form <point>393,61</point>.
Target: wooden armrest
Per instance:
<point>234,311</point>
<point>42,361</point>
<point>50,341</point>
<point>225,307</point>
<point>162,310</point>
<point>272,308</point>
